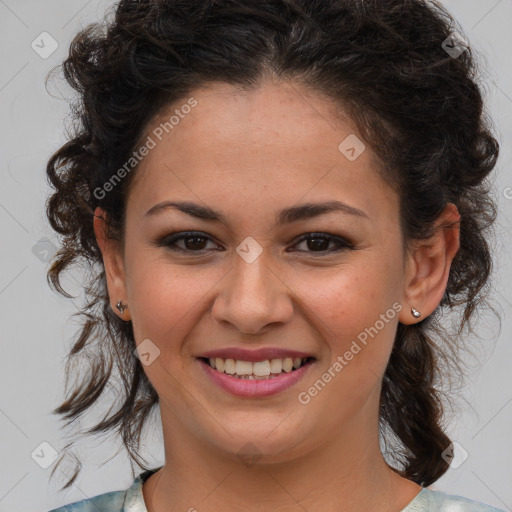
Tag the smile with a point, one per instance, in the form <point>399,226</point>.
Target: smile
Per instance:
<point>257,370</point>
<point>252,379</point>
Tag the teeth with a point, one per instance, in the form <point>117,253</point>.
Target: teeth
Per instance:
<point>257,370</point>
<point>229,366</point>
<point>276,366</point>
<point>243,368</point>
<point>288,364</point>
<point>261,368</point>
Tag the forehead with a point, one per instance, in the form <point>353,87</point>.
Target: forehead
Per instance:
<point>278,140</point>
<point>273,114</point>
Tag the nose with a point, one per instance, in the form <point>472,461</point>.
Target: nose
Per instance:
<point>252,297</point>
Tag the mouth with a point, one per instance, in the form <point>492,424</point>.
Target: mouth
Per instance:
<point>256,370</point>
<point>255,374</point>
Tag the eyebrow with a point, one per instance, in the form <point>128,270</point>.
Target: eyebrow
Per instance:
<point>292,214</point>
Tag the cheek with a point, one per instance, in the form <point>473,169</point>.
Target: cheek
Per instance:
<point>166,298</point>
<point>167,303</point>
<point>355,311</point>
<point>356,314</point>
<point>348,297</point>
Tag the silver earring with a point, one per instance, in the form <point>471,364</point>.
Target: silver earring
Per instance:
<point>121,307</point>
<point>415,313</point>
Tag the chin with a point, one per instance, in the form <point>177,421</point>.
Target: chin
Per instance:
<point>253,444</point>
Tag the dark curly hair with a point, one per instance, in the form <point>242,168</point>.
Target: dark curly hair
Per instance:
<point>384,62</point>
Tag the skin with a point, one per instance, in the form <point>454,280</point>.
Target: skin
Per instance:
<point>249,155</point>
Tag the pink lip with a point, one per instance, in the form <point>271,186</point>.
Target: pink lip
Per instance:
<point>259,354</point>
<point>255,388</point>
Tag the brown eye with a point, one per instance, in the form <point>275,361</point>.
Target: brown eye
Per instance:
<point>195,243</point>
<point>319,243</point>
<point>187,242</point>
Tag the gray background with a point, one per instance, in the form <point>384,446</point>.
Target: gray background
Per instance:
<point>36,326</point>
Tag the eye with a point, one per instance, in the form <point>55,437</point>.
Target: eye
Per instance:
<point>197,241</point>
<point>193,241</point>
<point>319,242</point>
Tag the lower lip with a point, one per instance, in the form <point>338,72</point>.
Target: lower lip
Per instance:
<point>255,388</point>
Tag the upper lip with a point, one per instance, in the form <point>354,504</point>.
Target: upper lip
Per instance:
<point>260,354</point>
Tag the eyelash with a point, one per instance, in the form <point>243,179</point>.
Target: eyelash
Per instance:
<point>170,240</point>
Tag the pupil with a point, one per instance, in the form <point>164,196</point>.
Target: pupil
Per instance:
<point>318,243</point>
<point>196,242</point>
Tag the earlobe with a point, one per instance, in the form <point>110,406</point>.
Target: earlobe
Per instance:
<point>113,264</point>
<point>428,267</point>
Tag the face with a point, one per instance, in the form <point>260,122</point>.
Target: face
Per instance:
<point>251,275</point>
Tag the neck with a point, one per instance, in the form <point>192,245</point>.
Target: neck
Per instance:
<point>349,474</point>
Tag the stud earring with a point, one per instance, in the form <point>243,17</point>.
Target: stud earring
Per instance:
<point>415,313</point>
<point>121,307</point>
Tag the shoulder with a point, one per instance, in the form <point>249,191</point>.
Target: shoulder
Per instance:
<point>428,500</point>
<point>129,500</point>
<point>109,502</point>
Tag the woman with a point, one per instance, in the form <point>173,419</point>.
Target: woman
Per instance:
<point>278,200</point>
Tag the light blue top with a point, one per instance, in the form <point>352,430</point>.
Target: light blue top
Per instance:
<point>132,500</point>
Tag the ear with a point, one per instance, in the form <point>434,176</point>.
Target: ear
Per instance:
<point>428,267</point>
<point>113,263</point>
